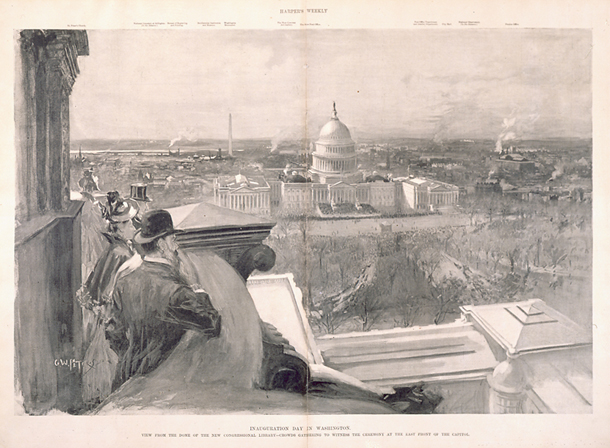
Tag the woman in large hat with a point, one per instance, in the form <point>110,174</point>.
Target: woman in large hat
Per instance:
<point>119,215</point>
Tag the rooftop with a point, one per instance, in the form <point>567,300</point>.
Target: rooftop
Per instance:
<point>527,327</point>
<point>403,357</point>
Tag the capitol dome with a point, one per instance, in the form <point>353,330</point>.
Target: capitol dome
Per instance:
<point>335,131</point>
<point>335,156</point>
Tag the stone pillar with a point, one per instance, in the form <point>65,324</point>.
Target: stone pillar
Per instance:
<point>61,72</point>
<point>507,387</point>
<point>47,251</point>
<point>47,68</point>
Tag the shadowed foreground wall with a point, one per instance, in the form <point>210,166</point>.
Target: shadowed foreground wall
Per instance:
<point>47,223</point>
<point>47,320</point>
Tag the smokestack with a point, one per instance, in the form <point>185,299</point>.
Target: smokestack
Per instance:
<point>230,136</point>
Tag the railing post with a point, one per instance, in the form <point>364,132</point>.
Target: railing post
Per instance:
<point>507,386</point>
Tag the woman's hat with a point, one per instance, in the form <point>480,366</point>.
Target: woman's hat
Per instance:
<point>119,210</point>
<point>155,224</point>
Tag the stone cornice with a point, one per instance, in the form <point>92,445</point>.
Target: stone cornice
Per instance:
<point>59,49</point>
<point>28,230</point>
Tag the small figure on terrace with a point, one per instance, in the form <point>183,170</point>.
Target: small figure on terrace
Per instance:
<point>88,183</point>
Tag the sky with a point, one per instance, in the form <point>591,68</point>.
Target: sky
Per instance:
<point>442,84</point>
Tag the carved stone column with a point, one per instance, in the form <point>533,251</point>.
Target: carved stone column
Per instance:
<point>47,68</point>
<point>62,70</point>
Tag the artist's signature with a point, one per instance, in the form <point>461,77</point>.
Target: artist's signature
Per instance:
<point>75,364</point>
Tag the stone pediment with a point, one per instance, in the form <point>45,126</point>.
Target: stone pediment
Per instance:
<point>340,184</point>
<point>243,189</point>
<point>436,187</point>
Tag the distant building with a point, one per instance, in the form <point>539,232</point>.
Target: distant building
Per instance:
<point>249,195</point>
<point>488,186</point>
<point>426,194</point>
<point>335,179</point>
<point>516,162</point>
<point>523,194</point>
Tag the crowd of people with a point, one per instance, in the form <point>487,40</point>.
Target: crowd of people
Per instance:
<point>139,303</point>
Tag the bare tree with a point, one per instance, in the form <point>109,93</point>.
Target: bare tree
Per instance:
<point>330,312</point>
<point>470,205</point>
<point>326,316</point>
<point>408,308</point>
<point>368,307</point>
<point>447,295</point>
<point>490,205</point>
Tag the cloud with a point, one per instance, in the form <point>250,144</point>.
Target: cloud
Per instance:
<point>444,83</point>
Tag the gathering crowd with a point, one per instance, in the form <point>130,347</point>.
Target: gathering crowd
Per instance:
<point>136,303</point>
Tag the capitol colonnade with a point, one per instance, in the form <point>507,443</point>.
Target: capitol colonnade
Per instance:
<point>330,165</point>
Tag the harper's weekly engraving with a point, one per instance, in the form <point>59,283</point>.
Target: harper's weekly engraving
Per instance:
<point>303,222</point>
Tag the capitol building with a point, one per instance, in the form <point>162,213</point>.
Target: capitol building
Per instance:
<point>334,159</point>
<point>334,185</point>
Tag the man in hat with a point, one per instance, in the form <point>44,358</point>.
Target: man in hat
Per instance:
<point>138,194</point>
<point>153,306</point>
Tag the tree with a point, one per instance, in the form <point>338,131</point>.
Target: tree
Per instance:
<point>470,205</point>
<point>447,295</point>
<point>281,228</point>
<point>490,205</point>
<point>329,312</point>
<point>506,207</point>
<point>368,307</point>
<point>326,316</point>
<point>408,308</point>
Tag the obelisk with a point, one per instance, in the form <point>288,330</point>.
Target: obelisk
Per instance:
<point>230,136</point>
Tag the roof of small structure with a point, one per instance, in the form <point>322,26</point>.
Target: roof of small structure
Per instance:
<point>207,226</point>
<point>403,357</point>
<point>529,326</point>
<point>203,215</point>
<point>561,384</point>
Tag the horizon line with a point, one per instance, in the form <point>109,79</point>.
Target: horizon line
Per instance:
<point>432,138</point>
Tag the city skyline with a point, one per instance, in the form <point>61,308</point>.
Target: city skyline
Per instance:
<point>494,84</point>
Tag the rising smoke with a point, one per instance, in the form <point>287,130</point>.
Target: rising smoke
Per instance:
<point>514,128</point>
